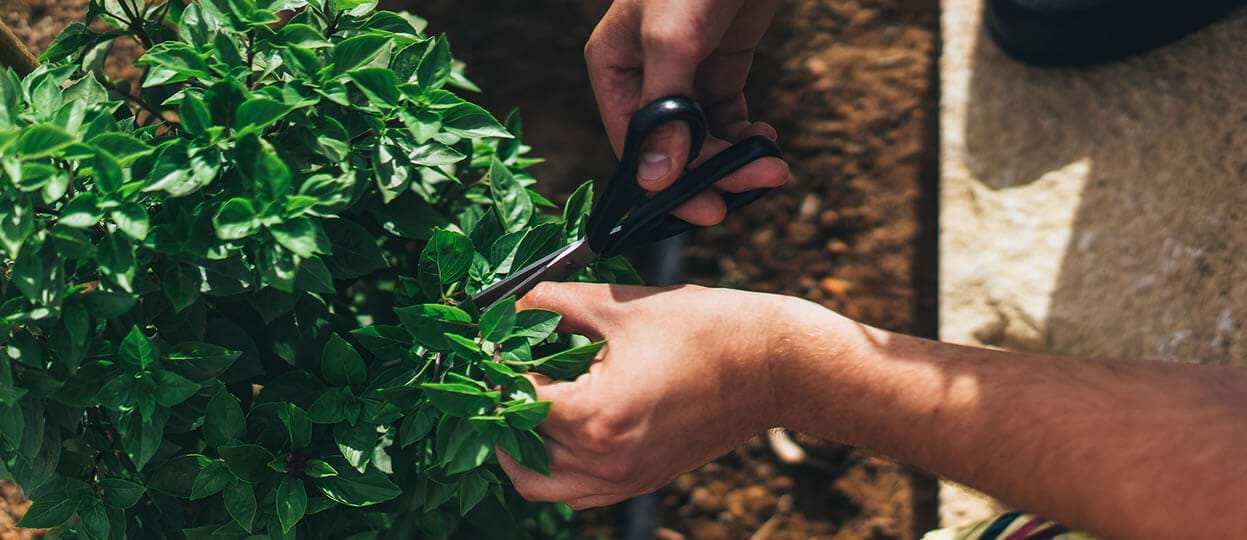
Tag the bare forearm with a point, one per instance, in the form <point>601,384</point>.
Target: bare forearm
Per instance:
<point>1126,449</point>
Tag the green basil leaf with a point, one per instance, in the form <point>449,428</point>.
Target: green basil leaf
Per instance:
<point>355,252</point>
<point>428,324</point>
<point>576,212</point>
<point>356,443</point>
<point>109,176</point>
<point>540,241</point>
<point>315,468</point>
<point>532,452</point>
<point>259,113</point>
<point>536,325</point>
<point>200,361</point>
<point>42,140</point>
<point>353,488</point>
<point>141,437</point>
<point>301,236</point>
<point>379,85</point>
<point>498,321</point>
<point>247,461</point>
<point>181,170</point>
<point>357,51</point>
<point>125,147</point>
<point>471,121</point>
<point>341,364</point>
<point>173,389</point>
<point>48,511</point>
<point>330,407</point>
<point>462,447</point>
<point>457,399</point>
<point>515,208</point>
<point>194,115</point>
<point>416,426</point>
<point>236,219</point>
<point>82,211</point>
<point>525,416</point>
<point>270,177</point>
<point>302,35</point>
<point>568,364</point>
<point>472,490</point>
<point>132,219</point>
<point>240,503</point>
<point>291,502</point>
<point>224,420</point>
<point>177,57</point>
<point>181,285</point>
<point>94,519</point>
<point>435,66</point>
<point>211,480</point>
<point>120,493</point>
<point>16,224</point>
<point>137,351</point>
<point>383,341</point>
<point>409,216</point>
<point>444,260</point>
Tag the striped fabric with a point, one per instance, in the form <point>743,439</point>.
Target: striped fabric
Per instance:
<point>1010,526</point>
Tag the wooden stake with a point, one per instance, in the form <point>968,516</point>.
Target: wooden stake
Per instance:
<point>14,54</point>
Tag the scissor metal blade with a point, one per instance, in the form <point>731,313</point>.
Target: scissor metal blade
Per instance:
<point>556,266</point>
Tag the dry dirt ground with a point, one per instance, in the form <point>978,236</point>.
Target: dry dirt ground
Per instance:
<point>851,86</point>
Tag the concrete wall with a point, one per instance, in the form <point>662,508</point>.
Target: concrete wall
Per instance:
<point>1094,212</point>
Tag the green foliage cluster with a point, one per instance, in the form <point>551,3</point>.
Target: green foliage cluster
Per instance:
<point>236,298</point>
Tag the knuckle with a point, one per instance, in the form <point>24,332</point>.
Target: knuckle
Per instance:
<point>591,50</point>
<point>689,288</point>
<point>670,41</point>
<point>540,295</point>
<point>601,435</point>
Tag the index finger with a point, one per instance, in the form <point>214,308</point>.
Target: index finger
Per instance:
<point>614,59</point>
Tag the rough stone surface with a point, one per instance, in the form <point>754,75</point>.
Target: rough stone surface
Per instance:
<point>1094,212</point>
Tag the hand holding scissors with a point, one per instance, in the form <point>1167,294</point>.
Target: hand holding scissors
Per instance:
<point>624,217</point>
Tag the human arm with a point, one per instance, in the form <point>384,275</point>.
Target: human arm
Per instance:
<point>644,50</point>
<point>1120,449</point>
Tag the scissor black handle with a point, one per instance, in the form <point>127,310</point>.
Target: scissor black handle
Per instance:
<point>652,221</point>
<point>622,192</point>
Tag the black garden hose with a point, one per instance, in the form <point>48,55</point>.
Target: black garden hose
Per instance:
<point>640,517</point>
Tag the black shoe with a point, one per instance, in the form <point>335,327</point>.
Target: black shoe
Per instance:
<point>1083,32</point>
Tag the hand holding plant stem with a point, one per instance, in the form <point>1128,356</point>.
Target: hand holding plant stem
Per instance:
<point>1125,449</point>
<point>671,392</point>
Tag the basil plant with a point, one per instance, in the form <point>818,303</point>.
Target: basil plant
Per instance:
<point>236,298</point>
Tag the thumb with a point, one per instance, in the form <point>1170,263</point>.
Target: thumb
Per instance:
<point>669,70</point>
<point>675,39</point>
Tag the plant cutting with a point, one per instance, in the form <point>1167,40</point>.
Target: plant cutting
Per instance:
<point>237,298</point>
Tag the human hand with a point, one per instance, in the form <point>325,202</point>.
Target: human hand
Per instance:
<point>644,50</point>
<point>683,380</point>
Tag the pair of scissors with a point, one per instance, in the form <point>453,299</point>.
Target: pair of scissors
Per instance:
<point>624,218</point>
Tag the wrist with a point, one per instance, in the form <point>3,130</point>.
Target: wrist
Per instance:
<point>808,343</point>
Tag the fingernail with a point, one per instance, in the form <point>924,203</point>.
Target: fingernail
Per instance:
<point>654,167</point>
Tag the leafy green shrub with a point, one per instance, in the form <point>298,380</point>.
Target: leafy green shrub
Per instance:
<point>236,299</point>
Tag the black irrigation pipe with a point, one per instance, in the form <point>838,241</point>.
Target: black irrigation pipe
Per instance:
<point>663,264</point>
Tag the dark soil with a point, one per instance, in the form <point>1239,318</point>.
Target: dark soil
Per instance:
<point>850,84</point>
